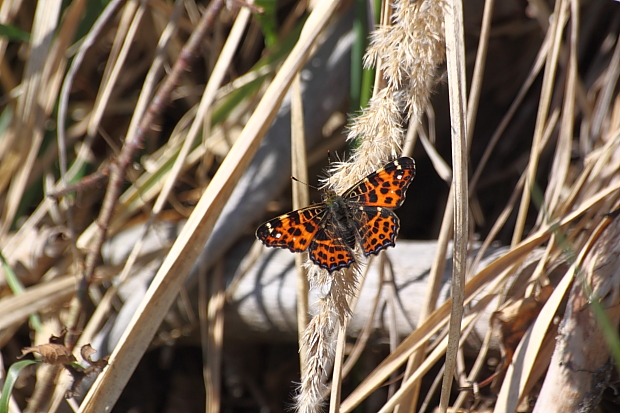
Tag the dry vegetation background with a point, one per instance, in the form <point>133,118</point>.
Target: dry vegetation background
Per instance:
<point>127,161</point>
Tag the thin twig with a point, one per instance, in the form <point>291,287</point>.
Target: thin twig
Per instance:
<point>119,167</point>
<point>88,181</point>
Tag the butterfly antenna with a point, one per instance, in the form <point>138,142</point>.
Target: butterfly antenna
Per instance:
<point>302,182</point>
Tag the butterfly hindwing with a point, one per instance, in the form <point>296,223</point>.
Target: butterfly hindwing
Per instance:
<point>385,187</point>
<point>328,249</point>
<point>294,230</point>
<point>379,230</point>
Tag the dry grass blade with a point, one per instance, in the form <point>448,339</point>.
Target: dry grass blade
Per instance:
<point>510,113</point>
<point>516,379</point>
<point>433,287</point>
<point>544,102</point>
<point>19,149</point>
<point>334,401</point>
<point>362,340</point>
<point>455,45</point>
<point>128,27</point>
<point>301,199</point>
<point>441,166</point>
<point>474,286</point>
<point>561,161</point>
<point>555,34</point>
<point>215,81</point>
<point>213,345</point>
<point>15,309</point>
<point>179,261</point>
<point>475,370</point>
<point>429,361</point>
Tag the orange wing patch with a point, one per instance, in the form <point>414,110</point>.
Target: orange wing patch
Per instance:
<point>386,187</point>
<point>380,230</point>
<point>330,252</point>
<point>294,230</point>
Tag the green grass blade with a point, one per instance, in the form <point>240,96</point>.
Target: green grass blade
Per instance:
<point>18,288</point>
<point>9,383</point>
<point>14,33</point>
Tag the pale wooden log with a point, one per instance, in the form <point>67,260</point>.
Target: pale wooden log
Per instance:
<point>263,305</point>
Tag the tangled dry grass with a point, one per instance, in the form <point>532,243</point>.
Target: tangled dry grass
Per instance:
<point>142,141</point>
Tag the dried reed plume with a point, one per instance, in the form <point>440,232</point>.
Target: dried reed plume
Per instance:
<point>407,53</point>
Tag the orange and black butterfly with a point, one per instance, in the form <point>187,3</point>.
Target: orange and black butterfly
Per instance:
<point>330,230</point>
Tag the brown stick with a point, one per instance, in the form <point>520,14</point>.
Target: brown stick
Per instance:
<point>89,181</point>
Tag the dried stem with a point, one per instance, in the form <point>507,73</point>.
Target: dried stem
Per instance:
<point>410,50</point>
<point>135,142</point>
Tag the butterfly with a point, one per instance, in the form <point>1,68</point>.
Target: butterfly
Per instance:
<point>330,230</point>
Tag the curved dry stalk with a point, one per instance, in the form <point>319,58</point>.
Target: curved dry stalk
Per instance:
<point>410,49</point>
<point>184,252</point>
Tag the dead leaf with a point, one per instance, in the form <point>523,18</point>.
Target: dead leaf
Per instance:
<point>51,353</point>
<point>512,322</point>
<point>87,351</point>
<point>80,374</point>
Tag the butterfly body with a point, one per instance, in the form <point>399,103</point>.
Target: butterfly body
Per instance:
<point>330,230</point>
<point>339,210</point>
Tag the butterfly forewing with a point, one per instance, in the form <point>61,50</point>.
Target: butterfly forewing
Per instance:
<point>294,230</point>
<point>385,187</point>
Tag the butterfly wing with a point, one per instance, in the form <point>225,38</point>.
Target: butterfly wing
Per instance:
<point>378,230</point>
<point>294,230</point>
<point>328,249</point>
<point>385,187</point>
